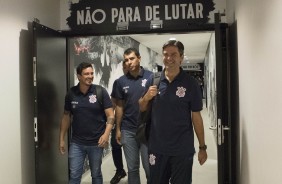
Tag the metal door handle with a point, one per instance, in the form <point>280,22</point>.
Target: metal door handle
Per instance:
<point>219,132</point>
<point>226,128</point>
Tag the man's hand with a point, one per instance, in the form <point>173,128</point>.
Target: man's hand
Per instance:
<point>103,141</point>
<point>143,101</point>
<point>152,91</point>
<point>202,156</point>
<point>62,147</point>
<point>118,137</point>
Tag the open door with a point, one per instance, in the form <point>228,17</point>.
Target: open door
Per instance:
<point>223,103</point>
<point>50,86</point>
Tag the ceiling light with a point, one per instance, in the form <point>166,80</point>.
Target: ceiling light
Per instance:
<point>156,24</point>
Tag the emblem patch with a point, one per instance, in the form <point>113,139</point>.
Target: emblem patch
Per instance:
<point>180,92</point>
<point>152,159</point>
<point>92,99</point>
<point>144,82</point>
<point>74,103</point>
<point>126,89</point>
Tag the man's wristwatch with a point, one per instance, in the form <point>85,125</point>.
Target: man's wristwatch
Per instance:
<point>204,147</point>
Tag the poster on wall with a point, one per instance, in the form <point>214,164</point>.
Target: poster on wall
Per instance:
<point>98,17</point>
<point>106,55</point>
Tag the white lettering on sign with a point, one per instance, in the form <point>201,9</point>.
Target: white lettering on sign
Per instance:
<point>86,17</point>
<point>184,11</point>
<point>125,14</point>
<point>152,13</point>
<point>132,14</point>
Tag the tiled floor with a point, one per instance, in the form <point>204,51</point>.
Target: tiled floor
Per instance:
<point>206,174</point>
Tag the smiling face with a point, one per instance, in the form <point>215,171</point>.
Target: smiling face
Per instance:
<point>86,77</point>
<point>172,58</point>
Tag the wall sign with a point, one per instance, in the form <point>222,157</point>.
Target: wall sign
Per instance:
<point>112,16</point>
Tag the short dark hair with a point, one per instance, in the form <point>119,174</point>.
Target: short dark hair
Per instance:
<point>175,43</point>
<point>130,50</point>
<point>82,66</point>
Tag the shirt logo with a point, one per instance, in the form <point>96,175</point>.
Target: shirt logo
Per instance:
<point>180,92</point>
<point>92,99</point>
<point>74,103</point>
<point>144,82</point>
<point>152,159</point>
<point>125,89</point>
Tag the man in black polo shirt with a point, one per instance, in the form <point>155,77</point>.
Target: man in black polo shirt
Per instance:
<point>92,122</point>
<point>129,89</point>
<point>176,110</point>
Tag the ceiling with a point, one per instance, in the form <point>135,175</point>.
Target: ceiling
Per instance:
<point>195,44</point>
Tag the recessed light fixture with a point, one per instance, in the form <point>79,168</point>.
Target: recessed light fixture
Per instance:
<point>172,39</point>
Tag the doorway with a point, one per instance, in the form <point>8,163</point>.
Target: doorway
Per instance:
<point>105,52</point>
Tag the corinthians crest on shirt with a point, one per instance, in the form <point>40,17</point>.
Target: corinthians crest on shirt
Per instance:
<point>92,98</point>
<point>180,92</point>
<point>144,82</point>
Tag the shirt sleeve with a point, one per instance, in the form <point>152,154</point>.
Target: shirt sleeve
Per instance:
<point>106,99</point>
<point>118,90</point>
<point>113,94</point>
<point>197,102</point>
<point>68,102</point>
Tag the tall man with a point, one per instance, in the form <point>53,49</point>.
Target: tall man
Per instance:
<point>175,113</point>
<point>92,122</point>
<point>129,89</point>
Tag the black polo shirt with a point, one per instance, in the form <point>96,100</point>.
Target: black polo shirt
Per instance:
<point>130,90</point>
<point>89,119</point>
<point>172,131</point>
<point>114,89</point>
